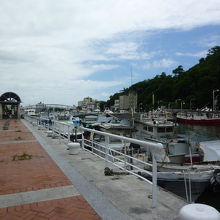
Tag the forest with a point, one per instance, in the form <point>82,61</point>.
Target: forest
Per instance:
<point>192,88</point>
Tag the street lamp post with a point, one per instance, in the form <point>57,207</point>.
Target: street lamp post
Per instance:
<point>213,98</point>
<point>216,101</point>
<point>153,100</point>
<point>191,103</point>
<point>182,102</point>
<point>140,107</point>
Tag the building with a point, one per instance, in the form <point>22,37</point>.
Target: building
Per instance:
<point>40,107</point>
<point>128,102</point>
<point>132,97</point>
<point>124,102</point>
<point>116,105</point>
<point>88,104</point>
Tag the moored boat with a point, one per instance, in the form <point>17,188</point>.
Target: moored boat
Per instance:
<point>163,131</point>
<point>199,117</point>
<point>181,166</point>
<point>189,183</point>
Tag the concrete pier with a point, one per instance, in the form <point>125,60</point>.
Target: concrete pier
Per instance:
<point>77,176</point>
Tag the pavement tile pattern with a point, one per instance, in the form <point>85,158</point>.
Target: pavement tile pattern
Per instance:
<point>19,174</point>
<point>60,209</point>
<point>32,172</point>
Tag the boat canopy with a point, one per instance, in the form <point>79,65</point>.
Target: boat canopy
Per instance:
<point>211,150</point>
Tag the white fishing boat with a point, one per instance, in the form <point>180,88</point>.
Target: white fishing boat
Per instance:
<point>111,124</point>
<point>89,119</point>
<point>177,147</point>
<point>181,167</point>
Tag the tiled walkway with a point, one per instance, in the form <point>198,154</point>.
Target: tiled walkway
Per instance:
<point>25,166</point>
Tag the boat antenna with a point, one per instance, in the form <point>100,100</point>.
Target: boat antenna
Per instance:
<point>132,101</point>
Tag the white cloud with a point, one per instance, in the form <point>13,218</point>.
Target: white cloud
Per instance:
<point>125,51</point>
<point>122,48</point>
<point>99,67</point>
<point>196,54</point>
<point>59,91</point>
<point>210,41</point>
<point>162,63</point>
<point>47,43</point>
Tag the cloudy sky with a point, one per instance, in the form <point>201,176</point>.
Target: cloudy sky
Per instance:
<point>61,51</point>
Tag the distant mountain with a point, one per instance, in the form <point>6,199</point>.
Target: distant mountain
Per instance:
<point>193,87</point>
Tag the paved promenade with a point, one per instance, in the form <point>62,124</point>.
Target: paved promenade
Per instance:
<point>39,180</point>
<point>32,186</point>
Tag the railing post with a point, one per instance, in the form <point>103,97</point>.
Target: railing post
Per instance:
<point>125,152</point>
<point>154,187</point>
<point>92,140</point>
<point>106,150</point>
<point>52,128</point>
<point>59,134</point>
<point>83,139</point>
<point>68,134</point>
<point>39,125</point>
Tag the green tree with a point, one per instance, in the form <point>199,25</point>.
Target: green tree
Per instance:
<point>178,71</point>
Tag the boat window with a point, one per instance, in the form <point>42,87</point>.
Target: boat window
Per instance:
<point>145,128</point>
<point>181,141</point>
<point>169,129</point>
<point>150,129</point>
<point>161,130</point>
<point>113,140</point>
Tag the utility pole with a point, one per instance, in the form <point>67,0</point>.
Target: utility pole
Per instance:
<point>153,100</point>
<point>213,98</point>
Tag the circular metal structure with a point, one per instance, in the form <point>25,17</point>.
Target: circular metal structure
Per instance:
<point>10,98</point>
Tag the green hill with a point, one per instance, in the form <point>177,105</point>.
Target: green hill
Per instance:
<point>194,86</point>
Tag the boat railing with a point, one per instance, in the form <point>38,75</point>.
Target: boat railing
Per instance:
<point>102,149</point>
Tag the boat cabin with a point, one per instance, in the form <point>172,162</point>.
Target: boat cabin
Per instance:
<point>30,112</point>
<point>158,129</point>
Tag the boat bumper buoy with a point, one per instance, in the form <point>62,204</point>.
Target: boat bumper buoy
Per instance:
<point>74,148</point>
<point>49,133</point>
<point>198,212</point>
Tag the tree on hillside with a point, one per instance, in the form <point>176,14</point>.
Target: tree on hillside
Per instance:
<point>213,51</point>
<point>178,71</point>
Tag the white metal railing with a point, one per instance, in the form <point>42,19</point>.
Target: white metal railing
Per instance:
<point>103,150</point>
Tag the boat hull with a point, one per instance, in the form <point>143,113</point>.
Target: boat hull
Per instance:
<point>186,185</point>
<point>179,186</point>
<point>202,121</point>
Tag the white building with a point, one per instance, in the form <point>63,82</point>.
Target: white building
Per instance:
<point>88,104</point>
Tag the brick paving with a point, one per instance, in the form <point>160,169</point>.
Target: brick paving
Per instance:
<point>38,172</point>
<point>74,207</point>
